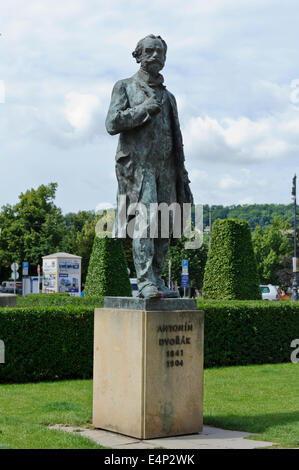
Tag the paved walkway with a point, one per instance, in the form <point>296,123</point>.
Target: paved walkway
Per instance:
<point>210,438</point>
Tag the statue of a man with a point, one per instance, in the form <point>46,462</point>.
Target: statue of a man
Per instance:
<point>150,158</point>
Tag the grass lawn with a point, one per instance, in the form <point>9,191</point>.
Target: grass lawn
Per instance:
<point>26,410</point>
<point>260,399</point>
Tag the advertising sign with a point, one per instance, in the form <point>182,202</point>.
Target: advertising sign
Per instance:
<point>25,268</point>
<point>69,283</point>
<point>62,274</point>
<point>49,266</point>
<point>69,266</point>
<point>49,282</point>
<point>185,273</point>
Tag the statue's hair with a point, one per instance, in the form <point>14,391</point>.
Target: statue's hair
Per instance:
<point>138,50</point>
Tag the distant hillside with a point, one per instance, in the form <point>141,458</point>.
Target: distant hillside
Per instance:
<point>255,214</point>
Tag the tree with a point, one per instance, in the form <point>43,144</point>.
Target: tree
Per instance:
<point>83,244</point>
<point>255,214</point>
<point>284,275</point>
<point>74,226</point>
<point>30,229</point>
<point>231,271</point>
<point>271,245</point>
<point>80,235</point>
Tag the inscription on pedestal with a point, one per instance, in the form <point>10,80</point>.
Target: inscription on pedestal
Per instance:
<point>175,357</point>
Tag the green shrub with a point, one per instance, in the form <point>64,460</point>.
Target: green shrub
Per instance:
<point>46,343</point>
<point>254,332</point>
<point>231,271</point>
<point>56,343</point>
<point>107,271</point>
<point>44,300</point>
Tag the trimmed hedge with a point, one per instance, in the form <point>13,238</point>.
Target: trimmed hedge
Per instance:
<point>56,343</point>
<point>242,332</point>
<point>107,270</point>
<point>44,300</point>
<point>231,270</point>
<point>46,343</point>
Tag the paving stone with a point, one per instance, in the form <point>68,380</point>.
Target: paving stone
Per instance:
<point>210,438</point>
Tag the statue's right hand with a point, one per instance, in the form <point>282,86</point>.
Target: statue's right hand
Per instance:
<point>152,105</point>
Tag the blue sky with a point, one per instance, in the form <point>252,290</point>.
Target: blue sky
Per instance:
<point>232,65</point>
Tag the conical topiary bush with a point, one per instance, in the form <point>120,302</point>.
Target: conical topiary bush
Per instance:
<point>107,270</point>
<point>231,270</point>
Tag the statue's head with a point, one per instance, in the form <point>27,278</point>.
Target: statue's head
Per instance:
<point>150,52</point>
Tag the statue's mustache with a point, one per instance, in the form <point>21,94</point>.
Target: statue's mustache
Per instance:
<point>153,61</point>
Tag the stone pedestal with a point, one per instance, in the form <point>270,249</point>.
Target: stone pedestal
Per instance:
<point>148,367</point>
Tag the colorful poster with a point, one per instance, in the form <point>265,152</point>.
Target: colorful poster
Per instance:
<point>49,282</point>
<point>69,266</point>
<point>69,283</point>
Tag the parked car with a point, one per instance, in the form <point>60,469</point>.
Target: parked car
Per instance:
<point>7,287</point>
<point>269,292</point>
<point>134,286</point>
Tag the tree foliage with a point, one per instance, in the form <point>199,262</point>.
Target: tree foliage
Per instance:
<point>271,247</point>
<point>83,243</point>
<point>255,214</point>
<point>74,223</point>
<point>35,227</point>
<point>32,228</point>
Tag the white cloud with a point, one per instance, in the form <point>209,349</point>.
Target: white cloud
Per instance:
<point>79,109</point>
<point>244,140</point>
<point>198,175</point>
<point>228,182</point>
<point>102,206</point>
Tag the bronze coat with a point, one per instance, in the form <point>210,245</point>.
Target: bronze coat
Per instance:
<point>127,117</point>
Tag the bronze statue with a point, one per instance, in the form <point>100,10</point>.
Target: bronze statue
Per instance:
<point>150,158</point>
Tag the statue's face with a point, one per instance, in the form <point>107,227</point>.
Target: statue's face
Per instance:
<point>153,57</point>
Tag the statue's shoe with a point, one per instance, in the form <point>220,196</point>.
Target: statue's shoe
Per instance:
<point>168,293</point>
<point>150,292</point>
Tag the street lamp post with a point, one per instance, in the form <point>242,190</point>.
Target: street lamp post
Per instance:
<point>295,285</point>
